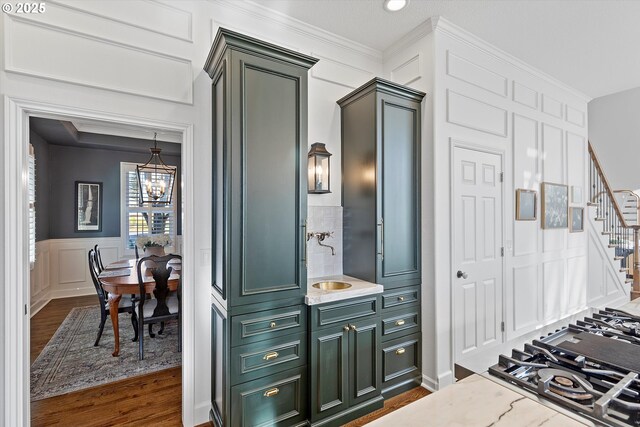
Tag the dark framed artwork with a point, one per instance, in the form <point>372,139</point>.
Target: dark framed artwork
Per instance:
<point>526,205</point>
<point>88,206</point>
<point>555,205</point>
<point>577,220</point>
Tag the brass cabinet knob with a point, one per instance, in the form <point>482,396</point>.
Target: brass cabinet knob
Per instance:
<point>272,355</point>
<point>353,327</point>
<point>271,392</point>
<point>272,325</point>
<point>400,322</point>
<point>400,350</point>
<point>346,328</point>
<point>400,298</point>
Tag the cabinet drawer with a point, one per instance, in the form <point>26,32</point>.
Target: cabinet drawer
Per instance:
<point>400,359</point>
<point>400,297</point>
<point>277,400</point>
<point>343,311</point>
<point>404,321</point>
<point>263,325</point>
<point>263,358</point>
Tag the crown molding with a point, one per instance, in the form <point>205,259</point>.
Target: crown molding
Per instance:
<point>445,26</point>
<point>255,10</point>
<point>417,33</point>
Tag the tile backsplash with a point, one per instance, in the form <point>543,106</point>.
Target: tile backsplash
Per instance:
<point>321,262</point>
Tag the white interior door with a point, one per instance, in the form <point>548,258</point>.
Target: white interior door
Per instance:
<point>477,257</point>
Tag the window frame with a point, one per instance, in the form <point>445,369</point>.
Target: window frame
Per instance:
<point>125,168</point>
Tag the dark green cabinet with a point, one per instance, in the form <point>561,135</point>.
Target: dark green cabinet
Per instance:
<point>381,183</point>
<point>345,363</point>
<point>259,208</point>
<point>259,177</point>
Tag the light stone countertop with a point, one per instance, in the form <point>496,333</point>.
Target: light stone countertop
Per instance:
<point>475,402</point>
<point>358,288</point>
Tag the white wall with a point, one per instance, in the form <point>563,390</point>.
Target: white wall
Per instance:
<point>614,131</point>
<point>540,126</point>
<point>145,60</point>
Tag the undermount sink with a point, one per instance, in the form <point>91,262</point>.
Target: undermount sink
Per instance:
<point>332,286</point>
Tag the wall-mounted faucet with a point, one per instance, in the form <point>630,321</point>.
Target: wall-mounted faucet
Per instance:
<point>320,236</point>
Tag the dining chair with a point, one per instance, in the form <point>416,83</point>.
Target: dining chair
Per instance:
<point>98,257</point>
<point>165,306</point>
<point>126,305</point>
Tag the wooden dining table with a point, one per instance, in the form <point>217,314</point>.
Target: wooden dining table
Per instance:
<point>119,285</point>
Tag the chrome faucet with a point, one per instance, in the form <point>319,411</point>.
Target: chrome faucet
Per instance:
<point>320,236</point>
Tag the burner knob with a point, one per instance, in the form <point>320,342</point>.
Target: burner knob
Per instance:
<point>462,275</point>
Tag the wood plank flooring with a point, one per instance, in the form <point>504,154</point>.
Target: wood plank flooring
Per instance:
<point>390,405</point>
<point>148,400</point>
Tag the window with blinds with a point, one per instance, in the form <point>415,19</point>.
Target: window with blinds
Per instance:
<point>143,218</point>
<point>32,205</point>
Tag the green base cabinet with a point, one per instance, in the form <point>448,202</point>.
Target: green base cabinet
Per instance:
<point>345,360</point>
<point>259,209</point>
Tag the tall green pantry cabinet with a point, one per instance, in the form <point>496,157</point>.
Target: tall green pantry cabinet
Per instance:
<point>259,320</point>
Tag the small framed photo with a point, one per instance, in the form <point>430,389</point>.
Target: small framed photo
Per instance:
<point>526,205</point>
<point>88,206</point>
<point>555,205</point>
<point>577,220</point>
<point>576,194</point>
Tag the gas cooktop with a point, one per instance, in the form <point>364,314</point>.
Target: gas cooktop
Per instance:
<point>591,367</point>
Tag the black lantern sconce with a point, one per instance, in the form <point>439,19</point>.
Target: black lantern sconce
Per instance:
<point>155,178</point>
<point>319,169</point>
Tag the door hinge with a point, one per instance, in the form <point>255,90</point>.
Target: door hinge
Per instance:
<point>501,176</point>
<point>502,251</point>
<point>25,309</point>
<point>501,326</point>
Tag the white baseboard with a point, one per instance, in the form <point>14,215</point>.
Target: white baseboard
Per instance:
<point>39,304</point>
<point>201,413</point>
<point>445,379</point>
<point>69,293</point>
<point>429,383</point>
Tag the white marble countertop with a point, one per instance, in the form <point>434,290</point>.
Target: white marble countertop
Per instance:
<point>475,401</point>
<point>358,288</point>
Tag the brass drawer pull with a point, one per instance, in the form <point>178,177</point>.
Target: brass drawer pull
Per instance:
<point>272,355</point>
<point>400,322</point>
<point>272,325</point>
<point>353,328</point>
<point>400,298</point>
<point>271,392</point>
<point>346,328</point>
<point>400,351</point>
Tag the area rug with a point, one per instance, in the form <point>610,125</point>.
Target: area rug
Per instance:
<point>70,362</point>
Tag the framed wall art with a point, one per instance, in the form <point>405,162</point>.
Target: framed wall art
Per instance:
<point>555,205</point>
<point>88,206</point>
<point>526,205</point>
<point>577,220</point>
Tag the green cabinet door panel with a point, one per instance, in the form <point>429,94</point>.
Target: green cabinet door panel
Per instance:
<point>329,372</point>
<point>364,363</point>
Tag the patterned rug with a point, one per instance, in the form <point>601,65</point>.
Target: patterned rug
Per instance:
<point>70,362</point>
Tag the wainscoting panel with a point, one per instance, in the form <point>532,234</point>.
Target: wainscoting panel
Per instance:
<point>553,290</point>
<point>551,106</point>
<point>472,113</point>
<point>408,72</point>
<point>149,73</point>
<point>524,311</point>
<point>575,116</point>
<point>576,292</point>
<point>476,75</point>
<point>39,278</point>
<point>525,96</point>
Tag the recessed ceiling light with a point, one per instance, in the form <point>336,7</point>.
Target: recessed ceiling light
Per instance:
<point>395,5</point>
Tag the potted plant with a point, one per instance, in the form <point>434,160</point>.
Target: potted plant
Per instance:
<point>153,244</point>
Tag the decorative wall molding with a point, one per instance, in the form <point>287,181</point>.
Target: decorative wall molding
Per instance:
<point>525,96</point>
<point>551,106</point>
<point>408,72</point>
<point>475,114</point>
<point>414,35</point>
<point>447,27</point>
<point>574,116</point>
<point>474,74</point>
<point>340,73</point>
<point>172,21</point>
<point>149,73</point>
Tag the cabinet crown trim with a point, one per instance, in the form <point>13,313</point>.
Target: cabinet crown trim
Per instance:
<point>382,85</point>
<point>227,39</point>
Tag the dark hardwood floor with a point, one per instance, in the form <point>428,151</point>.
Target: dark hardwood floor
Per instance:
<point>390,405</point>
<point>148,400</point>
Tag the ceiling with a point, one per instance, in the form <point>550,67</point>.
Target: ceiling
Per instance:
<point>107,136</point>
<point>591,45</point>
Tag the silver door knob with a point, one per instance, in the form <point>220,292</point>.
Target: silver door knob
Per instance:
<point>462,275</point>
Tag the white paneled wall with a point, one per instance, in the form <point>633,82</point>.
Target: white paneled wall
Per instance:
<point>484,98</point>
<point>321,261</point>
